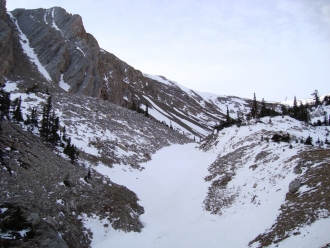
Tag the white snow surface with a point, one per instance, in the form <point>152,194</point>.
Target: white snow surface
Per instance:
<point>28,50</point>
<point>158,78</point>
<point>54,24</point>
<point>10,86</point>
<point>63,84</point>
<point>171,189</point>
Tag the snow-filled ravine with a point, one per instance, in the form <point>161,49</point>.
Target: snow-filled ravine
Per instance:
<point>171,189</point>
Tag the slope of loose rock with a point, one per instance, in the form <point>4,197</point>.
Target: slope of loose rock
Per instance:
<point>34,177</point>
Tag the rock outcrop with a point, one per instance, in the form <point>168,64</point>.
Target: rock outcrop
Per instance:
<point>294,186</point>
<point>6,45</point>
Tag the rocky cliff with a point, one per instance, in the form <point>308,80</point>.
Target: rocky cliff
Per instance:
<point>6,44</point>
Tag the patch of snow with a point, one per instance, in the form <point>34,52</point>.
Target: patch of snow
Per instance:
<point>78,48</point>
<point>103,227</point>
<point>10,86</point>
<point>158,79</point>
<point>60,201</point>
<point>63,84</point>
<point>54,24</point>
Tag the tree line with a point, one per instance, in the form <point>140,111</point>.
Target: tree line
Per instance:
<point>48,127</point>
<point>260,109</point>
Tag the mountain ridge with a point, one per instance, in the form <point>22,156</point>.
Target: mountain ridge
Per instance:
<point>72,58</point>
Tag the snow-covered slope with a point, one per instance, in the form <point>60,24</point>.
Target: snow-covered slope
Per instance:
<point>103,132</point>
<point>242,177</point>
<point>252,174</point>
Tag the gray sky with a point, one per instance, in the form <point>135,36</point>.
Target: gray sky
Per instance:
<point>275,48</point>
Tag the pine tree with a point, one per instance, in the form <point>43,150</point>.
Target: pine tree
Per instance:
<point>54,138</point>
<point>309,141</point>
<point>240,116</point>
<point>228,116</point>
<point>133,106</point>
<point>64,134</point>
<point>316,98</point>
<point>4,105</point>
<point>263,109</point>
<point>295,108</point>
<point>254,110</point>
<point>34,117</point>
<point>17,114</point>
<point>45,128</point>
<point>146,113</point>
<point>284,110</point>
<point>31,119</point>
<point>71,151</point>
<point>67,147</point>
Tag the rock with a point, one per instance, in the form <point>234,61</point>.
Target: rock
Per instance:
<point>53,240</point>
<point>294,186</point>
<point>34,219</point>
<point>51,222</point>
<point>3,9</point>
<point>261,155</point>
<point>297,169</point>
<point>6,45</point>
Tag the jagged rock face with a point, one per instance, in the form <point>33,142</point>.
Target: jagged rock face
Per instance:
<point>63,47</point>
<point>3,9</point>
<point>6,46</point>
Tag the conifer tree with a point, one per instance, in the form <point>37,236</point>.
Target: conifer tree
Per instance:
<point>284,110</point>
<point>228,116</point>
<point>31,119</point>
<point>64,134</point>
<point>45,122</point>
<point>146,113</point>
<point>71,151</point>
<point>254,110</point>
<point>34,117</point>
<point>316,98</point>
<point>239,117</point>
<point>133,106</point>
<point>263,108</point>
<point>17,114</point>
<point>295,108</point>
<point>54,138</point>
<point>4,105</point>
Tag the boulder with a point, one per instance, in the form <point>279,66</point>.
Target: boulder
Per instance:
<point>294,186</point>
<point>34,219</point>
<point>53,240</point>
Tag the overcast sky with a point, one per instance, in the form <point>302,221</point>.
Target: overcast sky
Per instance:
<point>275,48</point>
